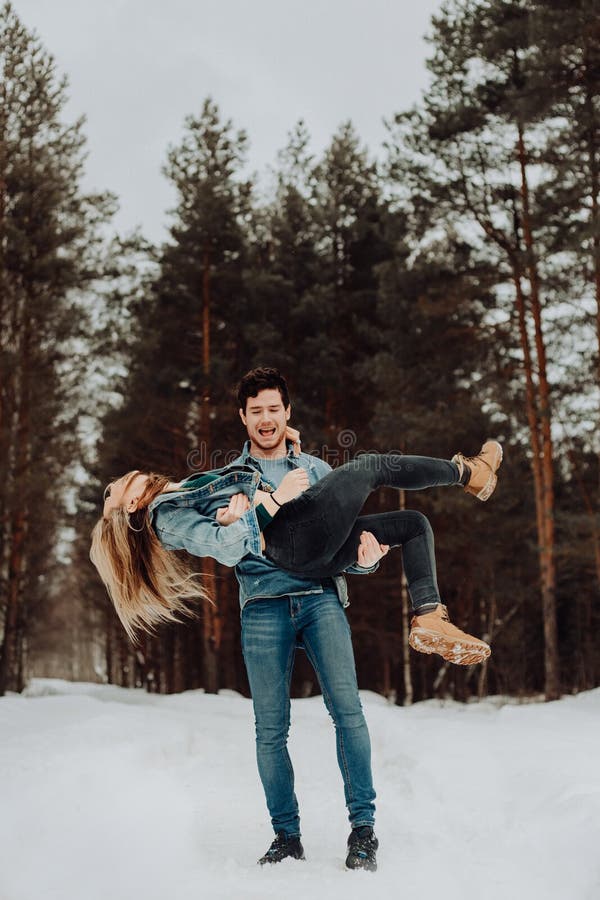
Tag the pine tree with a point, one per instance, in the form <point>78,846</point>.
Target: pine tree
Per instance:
<point>565,70</point>
<point>470,156</point>
<point>283,263</point>
<point>49,243</point>
<point>178,412</point>
<point>312,282</point>
<point>351,215</point>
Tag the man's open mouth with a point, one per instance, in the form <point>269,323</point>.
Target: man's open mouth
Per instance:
<point>266,432</point>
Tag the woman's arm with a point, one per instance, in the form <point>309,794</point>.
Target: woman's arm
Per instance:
<point>293,484</point>
<point>240,504</point>
<point>184,528</point>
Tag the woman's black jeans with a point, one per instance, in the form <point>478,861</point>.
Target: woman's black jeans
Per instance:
<point>318,533</point>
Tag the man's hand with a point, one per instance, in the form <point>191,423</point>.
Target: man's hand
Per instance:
<point>293,435</point>
<point>238,505</point>
<point>293,484</point>
<point>370,550</point>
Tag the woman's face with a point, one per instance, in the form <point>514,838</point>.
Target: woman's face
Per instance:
<point>125,491</point>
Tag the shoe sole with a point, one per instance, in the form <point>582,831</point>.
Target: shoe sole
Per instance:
<point>274,862</point>
<point>362,868</point>
<point>490,486</point>
<point>454,650</point>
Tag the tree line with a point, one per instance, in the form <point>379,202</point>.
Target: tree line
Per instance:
<point>447,290</point>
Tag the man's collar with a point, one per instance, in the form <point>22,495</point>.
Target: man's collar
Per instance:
<point>245,454</point>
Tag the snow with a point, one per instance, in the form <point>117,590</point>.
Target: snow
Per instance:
<point>114,793</point>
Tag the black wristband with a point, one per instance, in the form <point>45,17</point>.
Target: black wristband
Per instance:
<point>272,496</point>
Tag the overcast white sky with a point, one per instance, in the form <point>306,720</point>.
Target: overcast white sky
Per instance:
<point>138,67</point>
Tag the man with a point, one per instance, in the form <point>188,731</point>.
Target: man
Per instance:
<point>281,611</point>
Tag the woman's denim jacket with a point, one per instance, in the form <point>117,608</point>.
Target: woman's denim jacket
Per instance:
<point>185,520</point>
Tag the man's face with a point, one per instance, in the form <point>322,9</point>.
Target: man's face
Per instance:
<point>266,419</point>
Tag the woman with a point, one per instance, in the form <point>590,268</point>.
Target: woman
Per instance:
<point>228,513</point>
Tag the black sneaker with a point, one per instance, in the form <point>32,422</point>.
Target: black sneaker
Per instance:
<point>362,849</point>
<point>282,847</point>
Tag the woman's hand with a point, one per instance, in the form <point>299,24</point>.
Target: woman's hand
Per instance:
<point>238,505</point>
<point>293,435</point>
<point>292,485</point>
<point>370,551</point>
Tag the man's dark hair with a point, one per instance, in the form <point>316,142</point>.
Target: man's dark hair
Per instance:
<point>261,379</point>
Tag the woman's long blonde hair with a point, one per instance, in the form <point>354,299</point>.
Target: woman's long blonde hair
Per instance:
<point>146,583</point>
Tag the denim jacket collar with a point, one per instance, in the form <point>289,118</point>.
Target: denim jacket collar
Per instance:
<point>228,475</point>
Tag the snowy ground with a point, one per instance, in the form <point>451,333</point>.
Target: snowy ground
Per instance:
<point>113,794</point>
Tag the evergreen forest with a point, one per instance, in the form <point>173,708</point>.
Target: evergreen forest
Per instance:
<point>418,297</point>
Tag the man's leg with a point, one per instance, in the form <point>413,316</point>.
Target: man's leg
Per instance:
<point>268,645</point>
<point>328,644</point>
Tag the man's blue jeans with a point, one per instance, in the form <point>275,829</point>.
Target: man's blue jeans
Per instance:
<point>271,630</point>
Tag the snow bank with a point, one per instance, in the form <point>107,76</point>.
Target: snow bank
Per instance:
<point>115,793</point>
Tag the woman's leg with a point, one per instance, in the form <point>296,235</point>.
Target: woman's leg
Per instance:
<point>431,629</point>
<point>410,530</point>
<point>313,528</point>
<point>308,539</point>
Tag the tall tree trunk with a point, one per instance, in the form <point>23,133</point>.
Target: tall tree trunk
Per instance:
<point>108,642</point>
<point>590,82</point>
<point>406,612</point>
<point>18,514</point>
<point>124,662</point>
<point>589,508</point>
<point>3,244</point>
<point>10,648</point>
<point>590,85</point>
<point>178,679</point>
<point>211,623</point>
<point>546,515</point>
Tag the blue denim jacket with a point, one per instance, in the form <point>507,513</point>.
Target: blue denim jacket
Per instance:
<point>185,520</point>
<point>257,576</point>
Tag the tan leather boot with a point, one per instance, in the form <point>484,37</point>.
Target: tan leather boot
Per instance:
<point>483,468</point>
<point>433,632</point>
